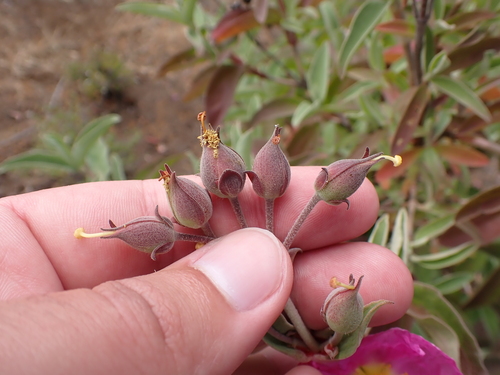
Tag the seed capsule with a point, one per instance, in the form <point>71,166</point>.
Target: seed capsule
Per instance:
<point>271,170</point>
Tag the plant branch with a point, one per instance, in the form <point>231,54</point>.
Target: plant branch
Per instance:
<point>422,16</point>
<point>276,60</point>
<point>269,206</point>
<point>193,237</point>
<point>485,144</point>
<point>293,315</point>
<point>296,343</point>
<point>281,81</point>
<point>207,229</point>
<point>333,341</point>
<point>300,220</point>
<point>235,203</point>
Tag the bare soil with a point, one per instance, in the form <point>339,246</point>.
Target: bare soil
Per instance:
<point>40,39</point>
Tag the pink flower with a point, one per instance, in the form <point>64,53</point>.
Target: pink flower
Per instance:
<point>392,352</point>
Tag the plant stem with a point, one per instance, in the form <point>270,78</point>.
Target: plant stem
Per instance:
<point>207,229</point>
<point>293,314</point>
<point>296,343</point>
<point>281,81</point>
<point>300,220</point>
<point>333,340</point>
<point>274,58</point>
<point>411,63</point>
<point>412,209</point>
<point>269,205</point>
<point>485,144</point>
<point>235,203</point>
<point>193,237</point>
<point>422,16</point>
<point>399,14</point>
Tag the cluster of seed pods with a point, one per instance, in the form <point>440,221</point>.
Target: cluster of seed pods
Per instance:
<point>223,174</point>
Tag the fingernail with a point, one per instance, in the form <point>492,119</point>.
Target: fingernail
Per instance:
<point>247,266</point>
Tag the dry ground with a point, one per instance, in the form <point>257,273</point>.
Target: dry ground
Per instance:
<point>39,39</point>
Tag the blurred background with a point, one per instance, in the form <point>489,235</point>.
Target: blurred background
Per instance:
<point>97,90</point>
<point>65,63</point>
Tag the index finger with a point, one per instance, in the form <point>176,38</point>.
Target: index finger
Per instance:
<point>50,217</point>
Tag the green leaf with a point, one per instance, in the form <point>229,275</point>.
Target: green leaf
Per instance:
<point>437,64</point>
<point>462,94</point>
<point>380,231</point>
<point>282,325</point>
<point>187,10</point>
<point>489,319</point>
<point>400,240</point>
<point>453,282</point>
<point>427,300</point>
<point>439,8</point>
<point>89,135</point>
<point>318,74</point>
<point>440,333</point>
<point>330,21</point>
<point>282,347</point>
<point>97,160</point>
<point>355,90</point>
<point>117,169</point>
<point>303,110</point>
<point>432,229</point>
<point>371,108</point>
<point>488,293</point>
<point>434,164</point>
<point>429,46</point>
<point>439,124</point>
<point>152,9</point>
<point>364,21</point>
<point>376,55</point>
<point>244,146</point>
<point>447,258</point>
<point>56,144</point>
<point>39,159</point>
<point>351,342</point>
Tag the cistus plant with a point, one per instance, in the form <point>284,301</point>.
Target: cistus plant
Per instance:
<point>223,173</point>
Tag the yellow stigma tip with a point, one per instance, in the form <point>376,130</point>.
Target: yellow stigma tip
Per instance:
<point>396,160</point>
<point>335,283</point>
<point>80,233</point>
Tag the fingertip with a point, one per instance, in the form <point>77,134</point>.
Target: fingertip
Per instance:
<point>247,266</point>
<point>330,224</point>
<point>386,277</point>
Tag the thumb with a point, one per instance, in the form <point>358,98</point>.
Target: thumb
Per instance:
<point>215,305</point>
<point>202,314</point>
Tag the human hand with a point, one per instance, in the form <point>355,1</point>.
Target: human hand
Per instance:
<point>205,311</point>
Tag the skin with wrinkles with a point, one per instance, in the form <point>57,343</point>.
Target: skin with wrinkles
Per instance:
<point>97,306</point>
